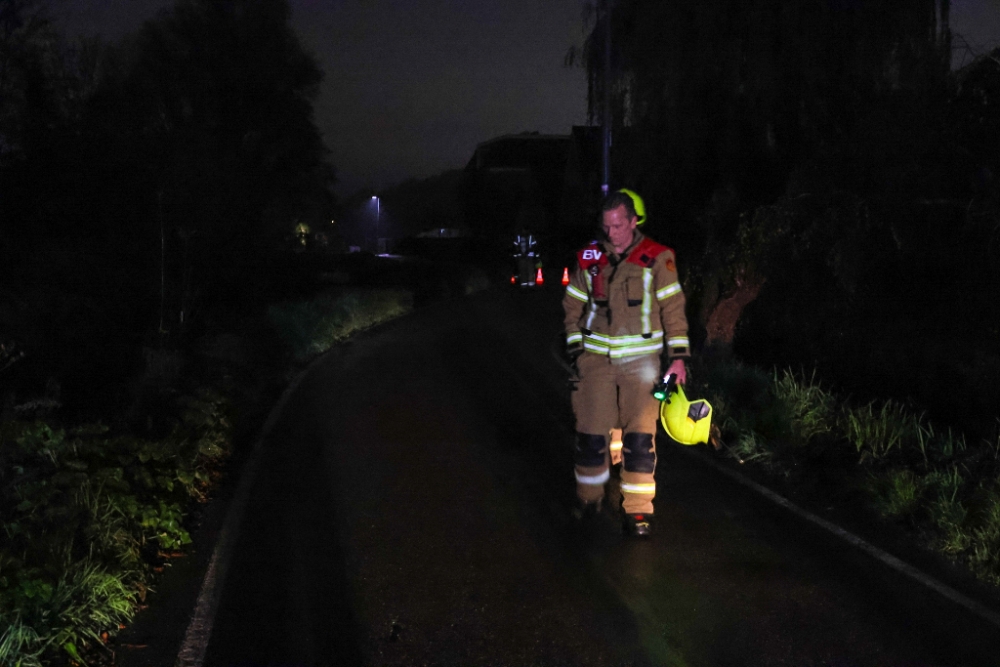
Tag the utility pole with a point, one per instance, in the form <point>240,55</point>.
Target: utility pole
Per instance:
<point>606,112</point>
<point>378,215</point>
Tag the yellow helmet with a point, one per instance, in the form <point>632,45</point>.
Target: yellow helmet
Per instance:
<point>687,422</point>
<point>637,204</point>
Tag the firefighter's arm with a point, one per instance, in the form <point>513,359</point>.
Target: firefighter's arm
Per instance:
<point>574,301</point>
<point>670,298</point>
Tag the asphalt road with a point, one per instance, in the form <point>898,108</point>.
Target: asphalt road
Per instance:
<point>410,506</point>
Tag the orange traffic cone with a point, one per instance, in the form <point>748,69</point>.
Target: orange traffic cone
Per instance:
<point>565,278</point>
<point>539,280</point>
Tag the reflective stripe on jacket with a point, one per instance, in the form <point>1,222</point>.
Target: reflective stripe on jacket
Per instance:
<point>626,305</point>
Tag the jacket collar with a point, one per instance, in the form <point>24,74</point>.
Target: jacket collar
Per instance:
<point>610,249</point>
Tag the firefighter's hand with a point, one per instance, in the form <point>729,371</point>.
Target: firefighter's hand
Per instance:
<point>677,368</point>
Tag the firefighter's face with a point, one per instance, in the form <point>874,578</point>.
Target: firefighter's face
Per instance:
<point>618,227</point>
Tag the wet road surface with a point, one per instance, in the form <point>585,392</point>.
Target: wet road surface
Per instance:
<point>411,507</point>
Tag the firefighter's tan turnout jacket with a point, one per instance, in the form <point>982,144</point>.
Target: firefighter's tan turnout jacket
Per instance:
<point>627,305</point>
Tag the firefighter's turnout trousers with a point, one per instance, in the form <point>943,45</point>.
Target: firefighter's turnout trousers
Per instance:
<point>615,392</point>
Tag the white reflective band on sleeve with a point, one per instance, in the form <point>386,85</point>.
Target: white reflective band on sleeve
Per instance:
<point>669,290</point>
<point>576,337</point>
<point>647,299</point>
<point>591,306</point>
<point>639,488</point>
<point>679,342</point>
<point>594,479</point>
<point>576,293</point>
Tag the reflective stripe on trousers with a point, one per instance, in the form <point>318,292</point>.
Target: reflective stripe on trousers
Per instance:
<point>591,458</point>
<point>638,468</point>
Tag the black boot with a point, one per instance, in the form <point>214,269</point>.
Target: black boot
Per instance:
<point>639,525</point>
<point>588,512</point>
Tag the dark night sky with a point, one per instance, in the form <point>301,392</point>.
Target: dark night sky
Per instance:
<point>412,86</point>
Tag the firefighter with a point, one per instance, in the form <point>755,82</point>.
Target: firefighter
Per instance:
<point>526,258</point>
<point>625,323</point>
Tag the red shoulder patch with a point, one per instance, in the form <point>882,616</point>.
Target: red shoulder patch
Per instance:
<point>645,253</point>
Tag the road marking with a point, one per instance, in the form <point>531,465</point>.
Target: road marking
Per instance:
<point>199,630</point>
<point>888,559</point>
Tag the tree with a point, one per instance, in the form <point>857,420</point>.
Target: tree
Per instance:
<point>739,93</point>
<point>37,98</point>
<point>229,90</point>
<point>29,69</point>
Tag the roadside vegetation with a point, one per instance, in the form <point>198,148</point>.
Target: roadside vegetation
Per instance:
<point>89,518</point>
<point>901,466</point>
<point>310,327</point>
<point>153,300</point>
<point>90,515</point>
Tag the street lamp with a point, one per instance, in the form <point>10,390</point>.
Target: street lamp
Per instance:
<point>606,110</point>
<point>378,214</point>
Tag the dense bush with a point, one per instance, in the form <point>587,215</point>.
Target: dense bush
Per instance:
<point>881,302</point>
<point>903,466</point>
<point>86,514</point>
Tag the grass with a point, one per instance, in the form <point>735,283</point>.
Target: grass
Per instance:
<point>86,517</point>
<point>876,431</point>
<point>810,408</point>
<point>984,552</point>
<point>66,618</point>
<point>897,492</point>
<point>910,470</point>
<point>750,446</point>
<point>311,327</point>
